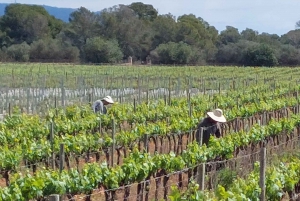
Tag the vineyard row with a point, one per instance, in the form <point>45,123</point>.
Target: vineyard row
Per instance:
<point>20,144</point>
<point>139,166</point>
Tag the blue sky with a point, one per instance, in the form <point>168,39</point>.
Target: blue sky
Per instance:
<point>271,16</point>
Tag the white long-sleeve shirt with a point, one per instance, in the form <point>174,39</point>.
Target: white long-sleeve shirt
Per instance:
<point>99,107</point>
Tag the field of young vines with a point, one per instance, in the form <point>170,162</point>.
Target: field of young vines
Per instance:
<point>145,148</point>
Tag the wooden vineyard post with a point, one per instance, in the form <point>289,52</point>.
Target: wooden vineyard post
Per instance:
<point>113,145</point>
<point>54,197</point>
<point>190,107</point>
<point>201,167</point>
<point>266,117</point>
<point>146,142</point>
<point>147,96</point>
<point>55,104</point>
<point>134,105</point>
<point>123,88</point>
<point>120,97</point>
<point>117,93</point>
<point>165,99</point>
<point>297,108</point>
<point>219,88</point>
<point>61,157</point>
<point>33,101</point>
<point>110,85</point>
<point>190,115</point>
<point>262,176</point>
<point>7,101</point>
<point>139,87</point>
<point>204,89</point>
<point>169,90</point>
<point>188,89</point>
<point>189,102</point>
<point>237,125</point>
<point>63,98</point>
<point>178,86</point>
<point>189,85</point>
<point>256,80</point>
<point>90,99</point>
<point>27,103</point>
<point>233,84</point>
<point>52,145</point>
<point>9,109</point>
<point>100,126</point>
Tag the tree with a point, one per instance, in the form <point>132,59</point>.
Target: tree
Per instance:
<point>5,40</point>
<point>138,30</point>
<point>289,55</point>
<point>53,50</point>
<point>109,23</point>
<point>99,50</point>
<point>233,52</point>
<point>197,33</point>
<point>3,55</point>
<point>133,35</point>
<point>249,34</point>
<point>260,55</point>
<point>270,39</point>
<point>298,25</point>
<point>192,30</point>
<point>174,53</point>
<point>28,23</point>
<point>210,48</point>
<point>83,24</point>
<point>228,54</point>
<point>19,52</point>
<point>291,38</point>
<point>164,28</point>
<point>230,35</point>
<point>144,11</point>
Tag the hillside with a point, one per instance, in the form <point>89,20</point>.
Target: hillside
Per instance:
<point>59,13</point>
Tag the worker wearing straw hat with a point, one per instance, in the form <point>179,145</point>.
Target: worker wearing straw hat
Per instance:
<point>99,105</point>
<point>210,125</point>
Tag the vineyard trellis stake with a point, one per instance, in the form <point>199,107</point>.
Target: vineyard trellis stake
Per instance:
<point>54,197</point>
<point>262,181</point>
<point>52,145</point>
<point>61,157</point>
<point>201,167</point>
<point>113,144</point>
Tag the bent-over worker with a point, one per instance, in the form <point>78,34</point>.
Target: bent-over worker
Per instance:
<point>210,125</point>
<point>99,105</point>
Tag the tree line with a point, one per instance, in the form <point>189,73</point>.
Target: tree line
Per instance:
<point>29,33</point>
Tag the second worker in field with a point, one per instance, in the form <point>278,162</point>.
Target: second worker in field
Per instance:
<point>99,105</point>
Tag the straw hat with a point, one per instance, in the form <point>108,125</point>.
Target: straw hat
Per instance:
<point>108,99</point>
<point>217,115</point>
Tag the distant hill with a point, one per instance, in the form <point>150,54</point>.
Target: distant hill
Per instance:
<point>59,13</point>
<point>2,8</point>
